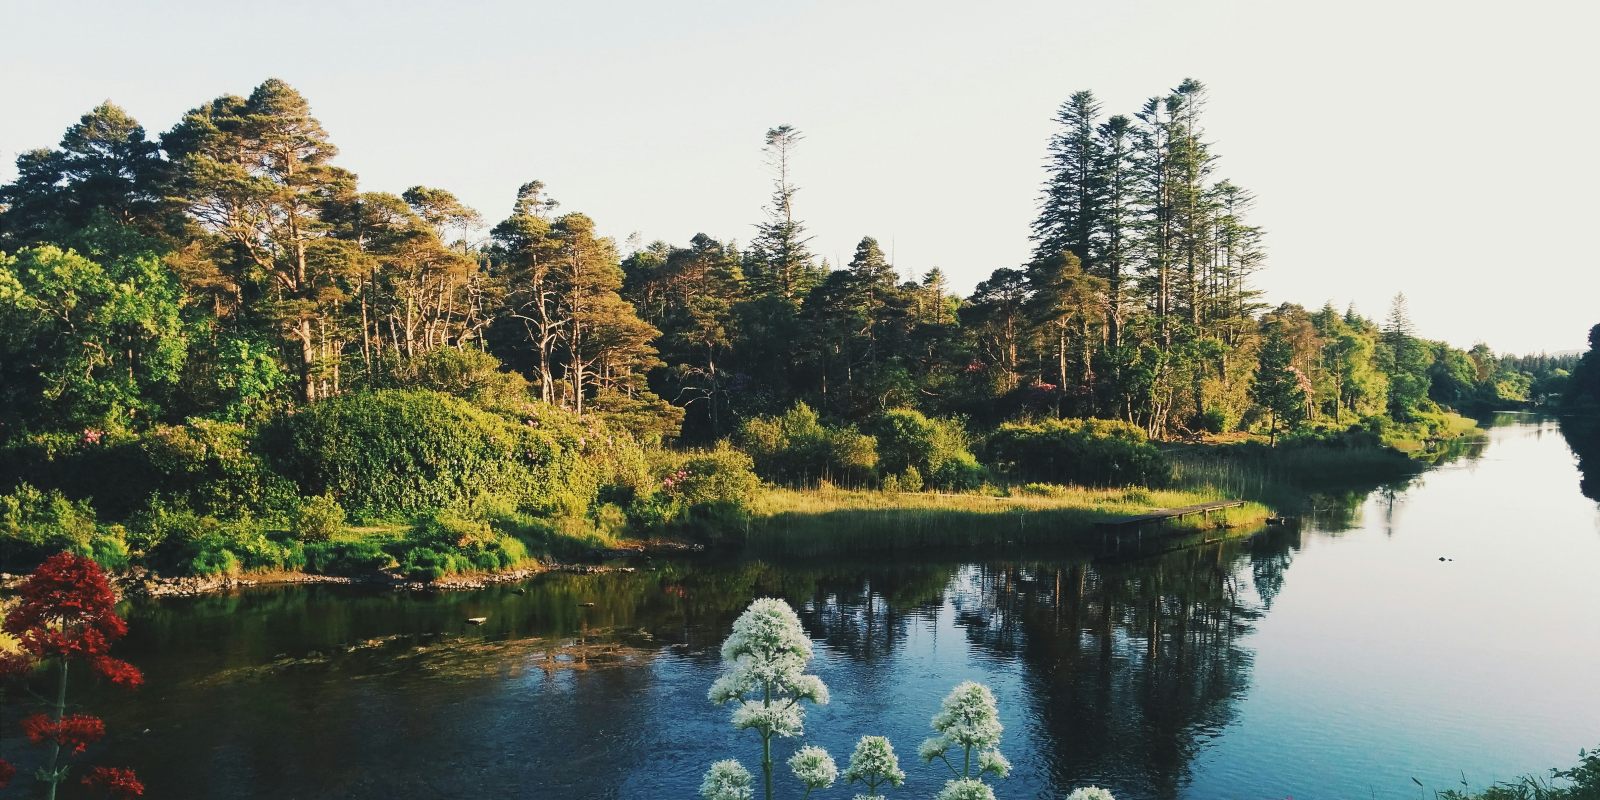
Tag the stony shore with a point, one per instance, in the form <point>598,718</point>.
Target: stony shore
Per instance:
<point>141,583</point>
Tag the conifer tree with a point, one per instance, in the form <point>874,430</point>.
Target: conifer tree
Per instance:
<point>1070,207</point>
<point>781,261</point>
<point>1279,387</point>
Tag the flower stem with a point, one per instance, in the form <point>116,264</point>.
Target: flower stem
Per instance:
<point>766,742</point>
<point>61,711</point>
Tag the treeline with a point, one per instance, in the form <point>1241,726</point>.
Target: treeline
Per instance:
<point>189,302</point>
<point>229,269</point>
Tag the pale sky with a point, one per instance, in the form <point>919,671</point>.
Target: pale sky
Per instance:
<point>1442,149</point>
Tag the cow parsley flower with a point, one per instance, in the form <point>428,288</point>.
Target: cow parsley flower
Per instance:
<point>874,764</point>
<point>969,717</point>
<point>1090,793</point>
<point>993,762</point>
<point>814,767</point>
<point>769,719</point>
<point>965,789</point>
<point>764,671</point>
<point>727,780</point>
<point>968,724</point>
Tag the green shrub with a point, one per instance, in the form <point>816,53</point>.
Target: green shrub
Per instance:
<point>346,557</point>
<point>709,492</point>
<point>35,525</point>
<point>213,561</point>
<point>1041,489</point>
<point>212,468</point>
<point>720,477</point>
<point>472,375</point>
<point>797,449</point>
<point>440,544</point>
<point>405,452</point>
<point>317,519</point>
<point>205,465</point>
<point>936,449</point>
<point>1087,452</point>
<point>425,563</point>
<point>179,539</point>
<point>1213,420</point>
<point>1580,782</point>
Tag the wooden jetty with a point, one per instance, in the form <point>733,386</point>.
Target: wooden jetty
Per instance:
<point>1170,513</point>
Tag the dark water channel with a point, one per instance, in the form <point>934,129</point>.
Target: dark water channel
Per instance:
<point>1338,660</point>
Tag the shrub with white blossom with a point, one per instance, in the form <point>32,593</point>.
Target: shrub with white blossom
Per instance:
<point>968,722</point>
<point>764,662</point>
<point>872,765</point>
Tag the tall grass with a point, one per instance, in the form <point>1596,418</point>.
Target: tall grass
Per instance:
<point>834,521</point>
<point>1263,473</point>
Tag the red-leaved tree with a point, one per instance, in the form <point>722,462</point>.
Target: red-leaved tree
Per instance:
<point>67,616</point>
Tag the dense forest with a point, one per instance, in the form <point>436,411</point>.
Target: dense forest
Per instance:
<point>175,306</point>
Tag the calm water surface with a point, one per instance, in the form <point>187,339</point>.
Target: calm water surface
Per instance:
<point>1340,660</point>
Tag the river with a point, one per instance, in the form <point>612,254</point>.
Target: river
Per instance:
<point>1340,659</point>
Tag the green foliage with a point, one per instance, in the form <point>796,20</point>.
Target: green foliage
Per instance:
<point>1280,388</point>
<point>405,452</point>
<point>211,467</point>
<point>349,557</point>
<point>1088,452</point>
<point>795,448</point>
<point>206,465</point>
<point>179,540</point>
<point>1581,782</point>
<point>86,344</point>
<point>1582,390</point>
<point>705,493</point>
<point>470,374</point>
<point>317,519</point>
<point>246,379</point>
<point>35,525</point>
<point>925,452</point>
<point>443,544</point>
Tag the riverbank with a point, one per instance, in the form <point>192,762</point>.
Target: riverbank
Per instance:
<point>829,521</point>
<point>140,583</point>
<point>445,552</point>
<point>787,522</point>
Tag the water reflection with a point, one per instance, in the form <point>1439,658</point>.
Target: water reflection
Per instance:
<point>1127,667</point>
<point>1583,436</point>
<point>1200,671</point>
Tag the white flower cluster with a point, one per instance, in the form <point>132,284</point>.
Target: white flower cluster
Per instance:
<point>992,762</point>
<point>814,767</point>
<point>727,780</point>
<point>766,655</point>
<point>969,717</point>
<point>1090,793</point>
<point>969,721</point>
<point>873,764</point>
<point>965,789</point>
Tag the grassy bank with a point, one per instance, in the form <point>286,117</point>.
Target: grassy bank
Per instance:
<point>1430,435</point>
<point>1319,467</point>
<point>833,521</point>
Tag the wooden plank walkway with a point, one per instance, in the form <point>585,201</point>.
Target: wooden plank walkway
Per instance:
<point>1170,513</point>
